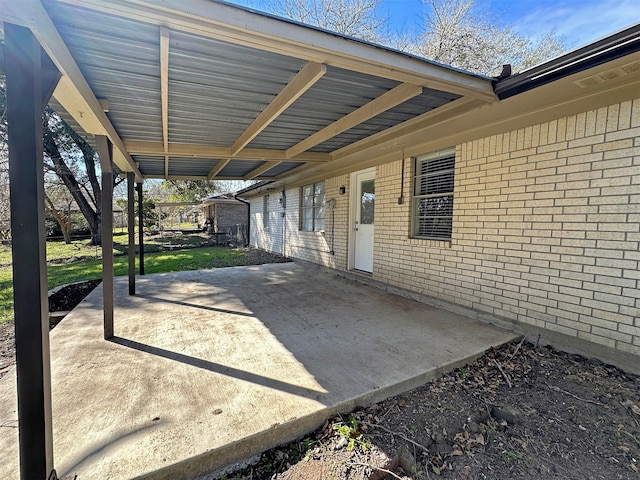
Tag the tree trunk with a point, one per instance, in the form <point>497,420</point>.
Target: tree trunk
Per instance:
<point>64,220</point>
<point>96,235</point>
<point>88,155</point>
<point>66,175</point>
<point>66,233</point>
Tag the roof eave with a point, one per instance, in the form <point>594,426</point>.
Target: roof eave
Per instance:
<point>243,26</point>
<point>620,44</point>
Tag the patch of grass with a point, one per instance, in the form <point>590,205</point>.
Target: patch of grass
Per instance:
<point>6,294</point>
<point>159,262</point>
<point>91,269</point>
<point>57,250</point>
<point>193,259</point>
<point>511,456</point>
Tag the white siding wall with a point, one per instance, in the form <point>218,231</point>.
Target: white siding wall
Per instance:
<point>269,238</point>
<point>285,237</point>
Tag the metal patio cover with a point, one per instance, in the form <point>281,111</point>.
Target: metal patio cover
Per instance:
<point>200,89</point>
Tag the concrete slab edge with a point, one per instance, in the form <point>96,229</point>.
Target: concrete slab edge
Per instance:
<point>212,464</point>
<point>625,361</point>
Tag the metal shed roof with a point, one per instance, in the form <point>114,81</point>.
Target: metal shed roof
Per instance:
<point>207,90</point>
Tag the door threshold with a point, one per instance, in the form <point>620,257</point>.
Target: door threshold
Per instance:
<point>362,272</point>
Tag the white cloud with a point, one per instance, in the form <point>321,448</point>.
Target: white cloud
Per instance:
<point>580,22</point>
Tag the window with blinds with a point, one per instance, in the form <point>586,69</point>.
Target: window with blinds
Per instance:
<point>433,196</point>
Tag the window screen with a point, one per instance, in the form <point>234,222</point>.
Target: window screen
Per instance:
<point>433,196</point>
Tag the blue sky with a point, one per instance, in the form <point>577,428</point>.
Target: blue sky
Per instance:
<point>579,21</point>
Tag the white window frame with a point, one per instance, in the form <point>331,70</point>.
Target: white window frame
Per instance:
<point>421,191</point>
<point>316,206</point>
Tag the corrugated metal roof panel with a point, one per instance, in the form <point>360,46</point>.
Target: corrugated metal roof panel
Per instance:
<point>119,59</point>
<point>240,168</point>
<point>150,165</point>
<point>335,95</point>
<point>428,100</point>
<point>216,89</point>
<point>191,166</point>
<point>282,168</point>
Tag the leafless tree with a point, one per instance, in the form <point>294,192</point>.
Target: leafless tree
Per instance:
<point>451,32</point>
<point>458,33</point>
<point>73,161</point>
<point>357,18</point>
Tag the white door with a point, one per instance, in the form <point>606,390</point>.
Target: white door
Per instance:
<point>364,215</point>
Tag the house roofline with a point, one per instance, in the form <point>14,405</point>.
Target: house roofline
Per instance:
<point>343,36</point>
<point>619,44</point>
<point>214,201</point>
<point>254,189</point>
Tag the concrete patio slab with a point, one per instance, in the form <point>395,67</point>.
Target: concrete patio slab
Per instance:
<point>213,366</point>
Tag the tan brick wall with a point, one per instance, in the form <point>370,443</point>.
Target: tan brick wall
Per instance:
<point>226,214</point>
<point>546,228</point>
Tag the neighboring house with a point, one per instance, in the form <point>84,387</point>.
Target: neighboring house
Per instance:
<point>224,211</point>
<point>524,212</point>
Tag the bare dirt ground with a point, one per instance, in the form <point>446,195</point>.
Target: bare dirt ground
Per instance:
<point>518,412</point>
<point>7,348</point>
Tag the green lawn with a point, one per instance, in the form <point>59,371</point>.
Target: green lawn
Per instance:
<point>60,273</point>
<point>6,295</point>
<point>57,250</point>
<point>80,249</point>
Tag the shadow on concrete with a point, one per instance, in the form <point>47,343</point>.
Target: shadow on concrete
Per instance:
<point>96,450</point>
<point>194,305</point>
<point>220,369</point>
<point>235,361</point>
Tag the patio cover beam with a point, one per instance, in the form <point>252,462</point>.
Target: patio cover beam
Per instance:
<point>391,135</point>
<point>261,169</point>
<point>187,177</point>
<point>303,81</point>
<point>164,93</point>
<point>218,168</point>
<point>31,78</point>
<point>142,147</point>
<point>105,150</point>
<point>131,216</point>
<point>73,91</point>
<point>375,107</point>
<point>264,32</point>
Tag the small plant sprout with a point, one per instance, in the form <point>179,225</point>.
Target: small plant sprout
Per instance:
<point>351,435</point>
